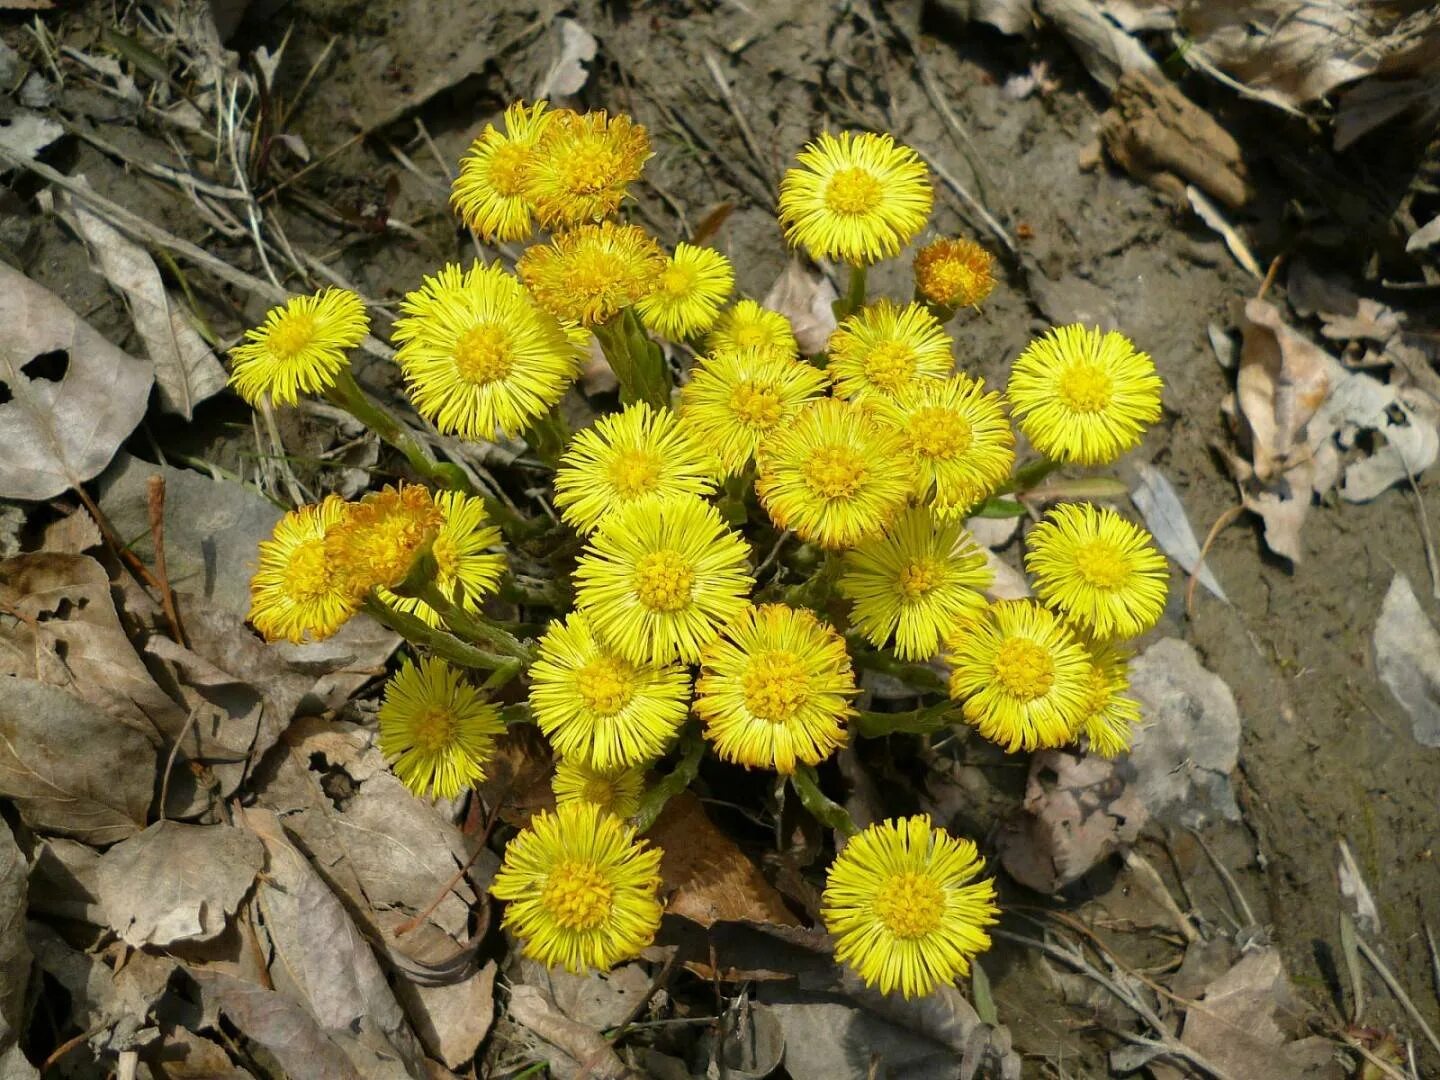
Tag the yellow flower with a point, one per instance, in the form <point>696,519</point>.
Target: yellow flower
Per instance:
<point>376,542</point>
<point>661,577</point>
<point>833,475</point>
<point>1111,717</point>
<point>748,326</point>
<point>1022,675</point>
<point>583,165</point>
<point>884,348</point>
<point>734,399</point>
<point>615,792</point>
<point>1099,570</point>
<point>300,347</point>
<point>903,905</point>
<point>627,456</point>
<point>598,708</point>
<point>582,891</point>
<point>859,198</point>
<point>1082,396</point>
<point>775,691</point>
<point>687,298</point>
<point>468,571</point>
<point>489,193</point>
<point>954,273</point>
<point>959,441</point>
<point>590,274</point>
<point>916,583</point>
<point>479,356</point>
<point>436,730</point>
<point>295,591</point>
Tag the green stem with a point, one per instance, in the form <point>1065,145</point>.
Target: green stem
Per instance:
<point>692,749</point>
<point>548,437</point>
<point>635,359</point>
<point>733,492</point>
<point>915,675</point>
<point>519,713</point>
<point>476,627</point>
<point>924,721</point>
<point>817,592</point>
<point>854,298</point>
<point>444,645</point>
<point>824,810</point>
<point>943,312</point>
<point>1028,475</point>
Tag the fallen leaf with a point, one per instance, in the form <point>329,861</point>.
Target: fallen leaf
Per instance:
<point>1424,237</point>
<point>752,1043</point>
<point>1407,418</point>
<point>177,882</point>
<point>805,298</point>
<point>452,1020</point>
<point>1007,16</point>
<point>583,1045</point>
<point>1407,658</point>
<point>1106,50</point>
<point>70,768</point>
<point>1283,381</point>
<point>597,999</point>
<point>64,881</point>
<point>707,877</point>
<point>186,371</point>
<point>187,1056</point>
<point>278,1023</point>
<point>60,431</point>
<point>1354,889</point>
<point>1159,504</point>
<point>568,74</point>
<point>14,950</point>
<point>1006,583</point>
<point>24,133</point>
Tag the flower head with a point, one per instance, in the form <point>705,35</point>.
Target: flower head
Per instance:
<point>735,399</point>
<point>1101,571</point>
<point>1022,675</point>
<point>858,198</point>
<point>915,583</point>
<point>467,569</point>
<point>661,577</point>
<point>1111,716</point>
<point>300,347</point>
<point>479,356</point>
<point>598,708</point>
<point>687,298</point>
<point>295,591</point>
<point>615,791</point>
<point>627,456</point>
<point>489,193</point>
<point>583,165</point>
<point>1082,396</point>
<point>903,905</point>
<point>591,273</point>
<point>774,692</point>
<point>436,730</point>
<point>959,442</point>
<point>377,541</point>
<point>833,475</point>
<point>582,892</point>
<point>886,347</point>
<point>954,273</point>
<point>747,326</point>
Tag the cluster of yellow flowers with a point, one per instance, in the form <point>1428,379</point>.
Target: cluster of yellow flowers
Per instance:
<point>869,458</point>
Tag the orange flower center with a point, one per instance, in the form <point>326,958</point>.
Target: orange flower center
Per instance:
<point>1024,669</point>
<point>294,332</point>
<point>939,433</point>
<point>587,168</point>
<point>853,191</point>
<point>1085,388</point>
<point>606,685</point>
<point>834,472</point>
<point>1101,565</point>
<point>634,472</point>
<point>890,365</point>
<point>507,169</point>
<point>577,895</point>
<point>483,354</point>
<point>756,406</point>
<point>910,905</point>
<point>920,576</point>
<point>663,580</point>
<point>775,686</point>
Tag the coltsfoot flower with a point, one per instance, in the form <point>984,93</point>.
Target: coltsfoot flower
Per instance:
<point>774,691</point>
<point>436,730</point>
<point>1022,676</point>
<point>627,456</point>
<point>904,906</point>
<point>598,708</point>
<point>299,348</point>
<point>583,166</point>
<point>614,791</point>
<point>735,399</point>
<point>1084,397</point>
<point>661,577</point>
<point>858,198</point>
<point>479,356</point>
<point>748,327</point>
<point>885,347</point>
<point>688,295</point>
<point>954,273</point>
<point>296,592</point>
<point>590,274</point>
<point>1111,715</point>
<point>833,475</point>
<point>916,583</point>
<point>581,891</point>
<point>489,193</point>
<point>958,439</point>
<point>378,539</point>
<point>467,570</point>
<point>1098,569</point>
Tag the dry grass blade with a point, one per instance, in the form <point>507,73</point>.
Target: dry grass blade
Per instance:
<point>1388,977</point>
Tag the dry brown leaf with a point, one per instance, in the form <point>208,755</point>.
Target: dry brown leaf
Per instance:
<point>1159,504</point>
<point>1284,379</point>
<point>453,1019</point>
<point>583,1045</point>
<point>707,877</point>
<point>278,1023</point>
<point>1407,659</point>
<point>14,951</point>
<point>805,298</point>
<point>60,433</point>
<point>518,776</point>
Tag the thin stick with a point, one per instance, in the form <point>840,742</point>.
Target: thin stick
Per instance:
<point>746,135</point>
<point>170,762</point>
<point>1142,865</point>
<point>128,557</point>
<point>1399,991</point>
<point>1223,522</point>
<point>155,507</point>
<point>1225,876</point>
<point>414,922</point>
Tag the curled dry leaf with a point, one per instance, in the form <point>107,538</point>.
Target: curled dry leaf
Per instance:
<point>177,882</point>
<point>1159,504</point>
<point>59,432</point>
<point>805,298</point>
<point>1407,657</point>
